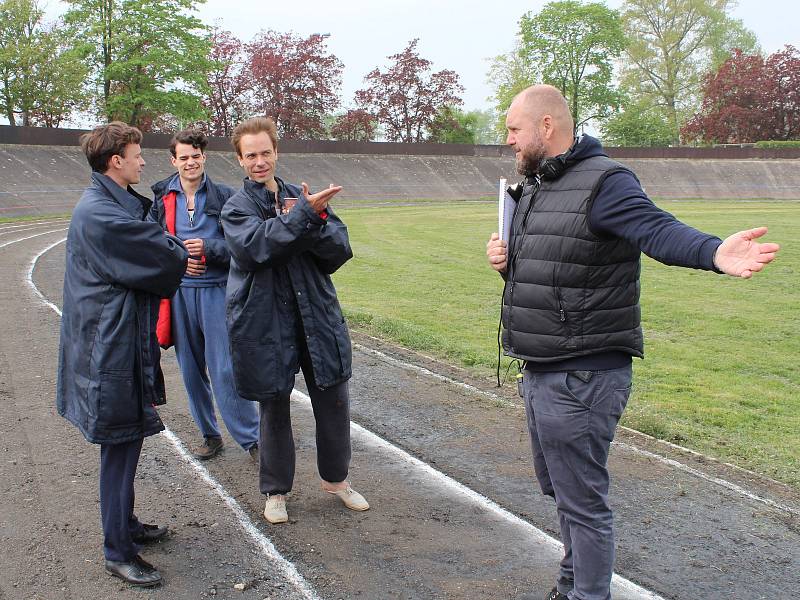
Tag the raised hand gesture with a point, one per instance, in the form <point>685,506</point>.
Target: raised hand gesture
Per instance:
<point>319,201</point>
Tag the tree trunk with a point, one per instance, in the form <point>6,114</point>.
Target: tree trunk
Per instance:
<point>9,107</point>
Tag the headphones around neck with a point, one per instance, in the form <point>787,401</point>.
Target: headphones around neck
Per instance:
<point>553,167</point>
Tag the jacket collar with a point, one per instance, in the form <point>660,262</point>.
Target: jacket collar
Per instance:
<point>132,201</point>
<point>174,183</point>
<point>260,191</point>
<point>213,203</point>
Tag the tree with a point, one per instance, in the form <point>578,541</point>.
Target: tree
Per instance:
<point>58,79</point>
<point>508,74</point>
<point>229,83</point>
<point>41,71</point>
<point>783,71</point>
<point>669,50</point>
<point>294,81</point>
<point>727,35</point>
<point>149,59</point>
<point>356,125</point>
<point>484,127</point>
<point>638,124</point>
<point>750,99</point>
<point>453,126</point>
<point>407,96</point>
<point>571,46</point>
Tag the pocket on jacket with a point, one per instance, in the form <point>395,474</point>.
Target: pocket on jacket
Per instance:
<point>345,346</point>
<point>119,404</point>
<point>254,368</point>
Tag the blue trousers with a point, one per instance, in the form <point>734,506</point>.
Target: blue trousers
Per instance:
<point>118,464</point>
<point>572,418</point>
<point>201,346</point>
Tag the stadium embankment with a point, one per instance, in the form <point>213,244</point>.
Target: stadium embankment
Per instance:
<point>44,172</point>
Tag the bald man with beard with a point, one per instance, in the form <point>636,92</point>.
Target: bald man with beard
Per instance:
<point>571,312</point>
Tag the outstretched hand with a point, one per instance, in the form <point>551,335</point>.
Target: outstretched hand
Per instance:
<point>740,256</point>
<point>319,201</point>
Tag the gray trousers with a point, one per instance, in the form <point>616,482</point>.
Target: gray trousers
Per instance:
<point>276,442</point>
<point>572,418</point>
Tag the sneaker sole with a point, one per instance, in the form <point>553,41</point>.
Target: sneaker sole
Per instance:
<point>276,521</point>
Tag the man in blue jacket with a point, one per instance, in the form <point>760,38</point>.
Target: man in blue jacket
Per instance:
<point>118,267</point>
<point>283,316</point>
<point>188,204</point>
<point>571,312</point>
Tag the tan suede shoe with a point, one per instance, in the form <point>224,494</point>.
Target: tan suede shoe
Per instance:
<point>351,498</point>
<point>275,509</point>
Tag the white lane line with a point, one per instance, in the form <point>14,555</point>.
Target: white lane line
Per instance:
<point>539,536</point>
<point>286,568</point>
<point>21,229</point>
<point>721,482</point>
<point>699,455</point>
<point>32,236</point>
<point>15,225</point>
<point>658,457</point>
<point>429,373</point>
<point>29,276</point>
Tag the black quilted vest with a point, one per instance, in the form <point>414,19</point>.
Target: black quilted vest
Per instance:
<point>570,292</point>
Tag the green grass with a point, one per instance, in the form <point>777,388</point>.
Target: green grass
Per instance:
<point>721,368</point>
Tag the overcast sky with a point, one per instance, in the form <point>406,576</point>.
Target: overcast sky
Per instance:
<point>455,34</point>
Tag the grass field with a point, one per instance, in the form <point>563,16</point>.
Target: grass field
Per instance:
<point>32,218</point>
<point>721,373</point>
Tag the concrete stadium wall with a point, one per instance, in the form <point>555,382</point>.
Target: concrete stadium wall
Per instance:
<point>49,179</point>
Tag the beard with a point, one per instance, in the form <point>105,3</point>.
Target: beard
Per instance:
<point>529,158</point>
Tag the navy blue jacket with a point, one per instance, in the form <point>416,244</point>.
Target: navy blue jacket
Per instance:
<point>118,266</point>
<point>280,295</point>
<point>217,194</point>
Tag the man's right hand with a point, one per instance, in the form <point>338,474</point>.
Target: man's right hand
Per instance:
<point>195,267</point>
<point>319,201</point>
<point>497,253</point>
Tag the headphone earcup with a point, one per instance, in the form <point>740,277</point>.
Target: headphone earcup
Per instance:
<point>551,168</point>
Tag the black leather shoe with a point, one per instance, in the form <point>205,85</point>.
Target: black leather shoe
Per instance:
<point>149,533</point>
<point>209,449</point>
<point>137,572</point>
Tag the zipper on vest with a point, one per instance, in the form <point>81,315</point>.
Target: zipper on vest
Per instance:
<point>512,257</point>
<point>562,314</point>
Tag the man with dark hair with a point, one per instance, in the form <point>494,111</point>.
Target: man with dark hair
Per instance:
<point>188,204</point>
<point>283,316</point>
<point>571,312</point>
<point>118,267</point>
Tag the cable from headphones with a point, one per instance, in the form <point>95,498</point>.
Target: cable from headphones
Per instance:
<point>510,263</point>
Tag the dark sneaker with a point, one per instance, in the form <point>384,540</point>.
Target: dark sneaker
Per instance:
<point>556,595</point>
<point>210,448</point>
<point>253,450</point>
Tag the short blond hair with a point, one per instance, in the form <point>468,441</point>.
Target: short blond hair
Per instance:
<point>253,126</point>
